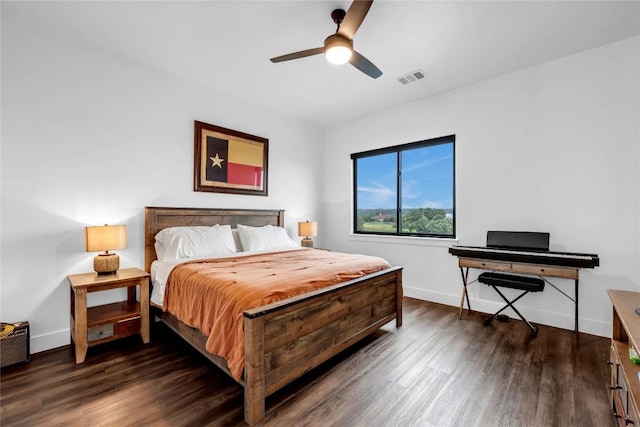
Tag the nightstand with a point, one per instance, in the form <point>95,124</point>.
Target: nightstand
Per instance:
<point>96,325</point>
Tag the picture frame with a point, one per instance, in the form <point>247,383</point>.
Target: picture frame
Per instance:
<point>229,161</point>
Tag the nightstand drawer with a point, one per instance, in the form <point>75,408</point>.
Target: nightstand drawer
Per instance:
<point>128,326</point>
<point>99,332</point>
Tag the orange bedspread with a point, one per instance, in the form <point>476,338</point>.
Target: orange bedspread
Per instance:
<point>211,295</point>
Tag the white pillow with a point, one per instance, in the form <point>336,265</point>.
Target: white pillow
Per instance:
<point>263,238</point>
<point>198,241</point>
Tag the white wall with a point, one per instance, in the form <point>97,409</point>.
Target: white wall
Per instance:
<point>551,148</point>
<point>89,138</point>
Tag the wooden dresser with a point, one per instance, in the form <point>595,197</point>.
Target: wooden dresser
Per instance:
<point>625,381</point>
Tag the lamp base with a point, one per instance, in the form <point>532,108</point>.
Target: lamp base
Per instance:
<point>106,263</point>
<point>307,242</point>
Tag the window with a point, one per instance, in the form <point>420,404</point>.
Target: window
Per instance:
<point>406,190</point>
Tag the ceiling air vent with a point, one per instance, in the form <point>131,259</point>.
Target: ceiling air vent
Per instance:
<point>412,77</point>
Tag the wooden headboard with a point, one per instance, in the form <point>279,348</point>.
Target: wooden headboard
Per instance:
<point>157,219</point>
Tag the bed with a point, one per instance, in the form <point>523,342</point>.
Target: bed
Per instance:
<point>375,299</point>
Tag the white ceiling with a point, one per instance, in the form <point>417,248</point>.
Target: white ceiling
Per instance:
<point>227,44</point>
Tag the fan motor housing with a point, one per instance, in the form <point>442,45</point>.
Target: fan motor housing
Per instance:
<point>337,40</point>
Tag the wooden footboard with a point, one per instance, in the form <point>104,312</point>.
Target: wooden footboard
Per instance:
<point>286,339</point>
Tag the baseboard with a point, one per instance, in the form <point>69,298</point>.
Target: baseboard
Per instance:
<point>62,338</point>
<point>50,341</point>
<point>557,320</point>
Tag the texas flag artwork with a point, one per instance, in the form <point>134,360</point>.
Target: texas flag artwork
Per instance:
<point>232,162</point>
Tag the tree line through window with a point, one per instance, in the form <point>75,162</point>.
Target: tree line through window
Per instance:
<point>406,189</point>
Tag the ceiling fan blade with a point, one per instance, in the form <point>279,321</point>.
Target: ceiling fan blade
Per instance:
<point>364,65</point>
<point>354,17</point>
<point>300,54</point>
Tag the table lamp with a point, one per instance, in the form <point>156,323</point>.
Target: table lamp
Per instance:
<point>106,238</point>
<point>307,230</point>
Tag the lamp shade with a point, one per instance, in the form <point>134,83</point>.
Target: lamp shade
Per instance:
<point>307,229</point>
<point>105,238</point>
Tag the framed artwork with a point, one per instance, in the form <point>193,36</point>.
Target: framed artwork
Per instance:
<point>228,161</point>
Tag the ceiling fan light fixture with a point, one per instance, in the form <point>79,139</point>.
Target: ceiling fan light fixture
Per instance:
<point>338,55</point>
<point>338,49</point>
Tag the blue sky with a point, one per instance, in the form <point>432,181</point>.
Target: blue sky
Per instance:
<point>426,179</point>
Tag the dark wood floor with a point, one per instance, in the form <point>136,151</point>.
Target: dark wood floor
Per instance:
<point>435,370</point>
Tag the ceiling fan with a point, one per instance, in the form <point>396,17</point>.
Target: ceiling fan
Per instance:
<point>338,47</point>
